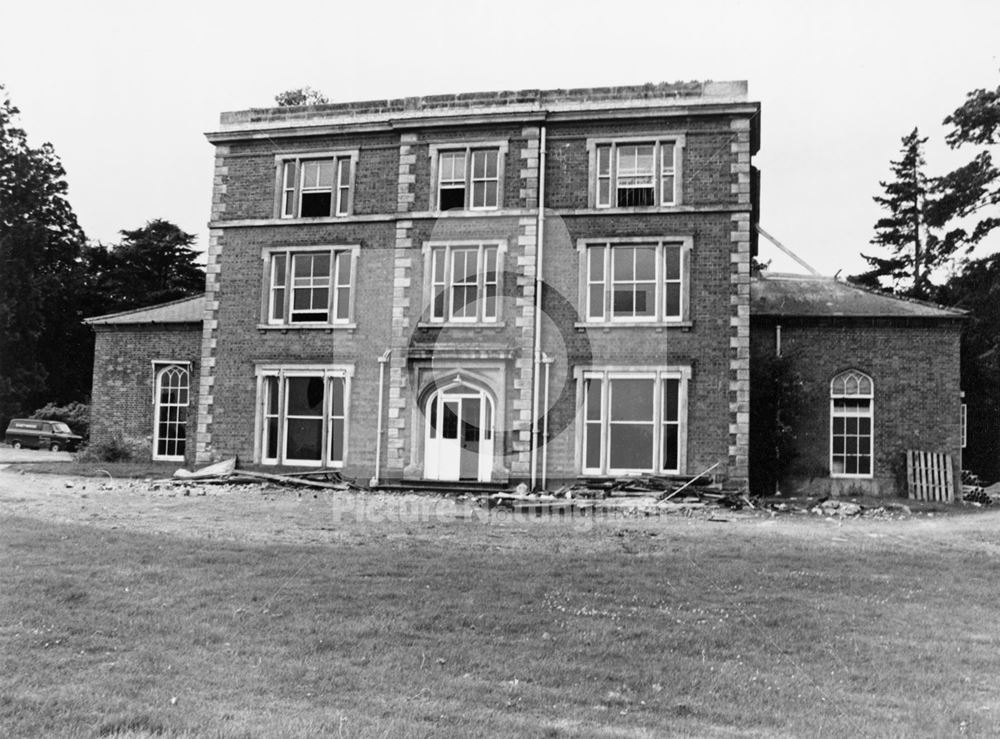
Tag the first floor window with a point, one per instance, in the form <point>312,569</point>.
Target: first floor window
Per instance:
<point>633,421</point>
<point>171,411</point>
<point>310,286</point>
<point>316,187</point>
<point>304,417</point>
<point>629,282</point>
<point>465,282</point>
<point>851,416</point>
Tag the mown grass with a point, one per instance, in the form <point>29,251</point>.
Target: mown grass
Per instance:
<point>463,629</point>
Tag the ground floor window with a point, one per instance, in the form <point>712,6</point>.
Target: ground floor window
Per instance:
<point>172,388</point>
<point>303,416</point>
<point>851,416</point>
<point>634,421</point>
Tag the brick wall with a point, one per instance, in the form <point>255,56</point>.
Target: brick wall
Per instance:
<point>391,223</point>
<point>915,369</point>
<point>122,395</point>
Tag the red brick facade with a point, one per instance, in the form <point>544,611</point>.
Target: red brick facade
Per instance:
<point>127,359</point>
<point>548,144</point>
<point>913,363</point>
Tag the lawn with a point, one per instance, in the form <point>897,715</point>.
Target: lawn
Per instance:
<point>501,627</point>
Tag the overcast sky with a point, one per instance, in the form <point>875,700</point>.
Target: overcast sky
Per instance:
<point>125,90</point>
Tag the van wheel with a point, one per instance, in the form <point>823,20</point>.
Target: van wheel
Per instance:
<point>16,445</point>
<point>54,448</point>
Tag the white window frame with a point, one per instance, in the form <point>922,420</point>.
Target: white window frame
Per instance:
<point>660,316</point>
<point>836,394</point>
<point>343,372</point>
<point>160,369</point>
<point>336,287</point>
<point>621,372</point>
<point>289,186</point>
<point>434,251</point>
<point>469,149</point>
<point>608,170</point>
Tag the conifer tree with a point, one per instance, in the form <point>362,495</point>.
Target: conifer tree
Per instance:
<point>40,273</point>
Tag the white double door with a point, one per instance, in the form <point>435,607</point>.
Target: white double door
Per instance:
<point>458,443</point>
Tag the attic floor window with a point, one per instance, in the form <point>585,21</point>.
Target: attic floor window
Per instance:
<point>316,188</point>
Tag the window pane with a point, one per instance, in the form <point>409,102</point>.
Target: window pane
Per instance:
<point>667,149</point>
<point>479,164</point>
<point>343,311</point>
<point>316,204</point>
<point>337,384</point>
<point>671,399</point>
<point>452,198</point>
<point>631,446</point>
<point>671,448</point>
<point>305,439</point>
<point>631,400</point>
<point>673,301</point>
<point>492,193</point>
<point>343,268</point>
<point>623,302</point>
<point>668,189</point>
<point>345,171</point>
<point>672,262</point>
<point>337,440</point>
<point>592,388</point>
<point>326,172</point>
<point>645,263</point>
<point>596,257</point>
<point>603,160</point>
<point>593,446</point>
<point>645,300</point>
<point>271,390</point>
<point>624,264</point>
<point>289,175</point>
<point>478,194</point>
<point>596,304</point>
<point>305,396</point>
<point>604,192</point>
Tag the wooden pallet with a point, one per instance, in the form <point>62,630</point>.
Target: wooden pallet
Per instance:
<point>930,476</point>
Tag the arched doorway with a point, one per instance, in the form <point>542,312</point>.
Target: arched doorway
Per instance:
<point>458,434</point>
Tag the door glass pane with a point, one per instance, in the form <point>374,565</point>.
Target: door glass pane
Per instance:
<point>449,425</point>
<point>470,420</point>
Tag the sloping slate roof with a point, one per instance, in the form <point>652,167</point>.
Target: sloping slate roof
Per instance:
<point>185,310</point>
<point>804,295</point>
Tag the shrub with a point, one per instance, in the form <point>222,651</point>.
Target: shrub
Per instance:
<point>118,449</point>
<point>75,415</point>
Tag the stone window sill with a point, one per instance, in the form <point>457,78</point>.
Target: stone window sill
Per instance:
<point>658,326</point>
<point>327,328</point>
<point>477,327</point>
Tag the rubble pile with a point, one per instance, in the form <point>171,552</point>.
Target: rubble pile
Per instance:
<point>640,495</point>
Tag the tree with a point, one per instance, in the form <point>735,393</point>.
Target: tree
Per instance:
<point>974,187</point>
<point>40,273</point>
<point>914,248</point>
<point>152,264</point>
<point>300,96</point>
<point>976,288</point>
